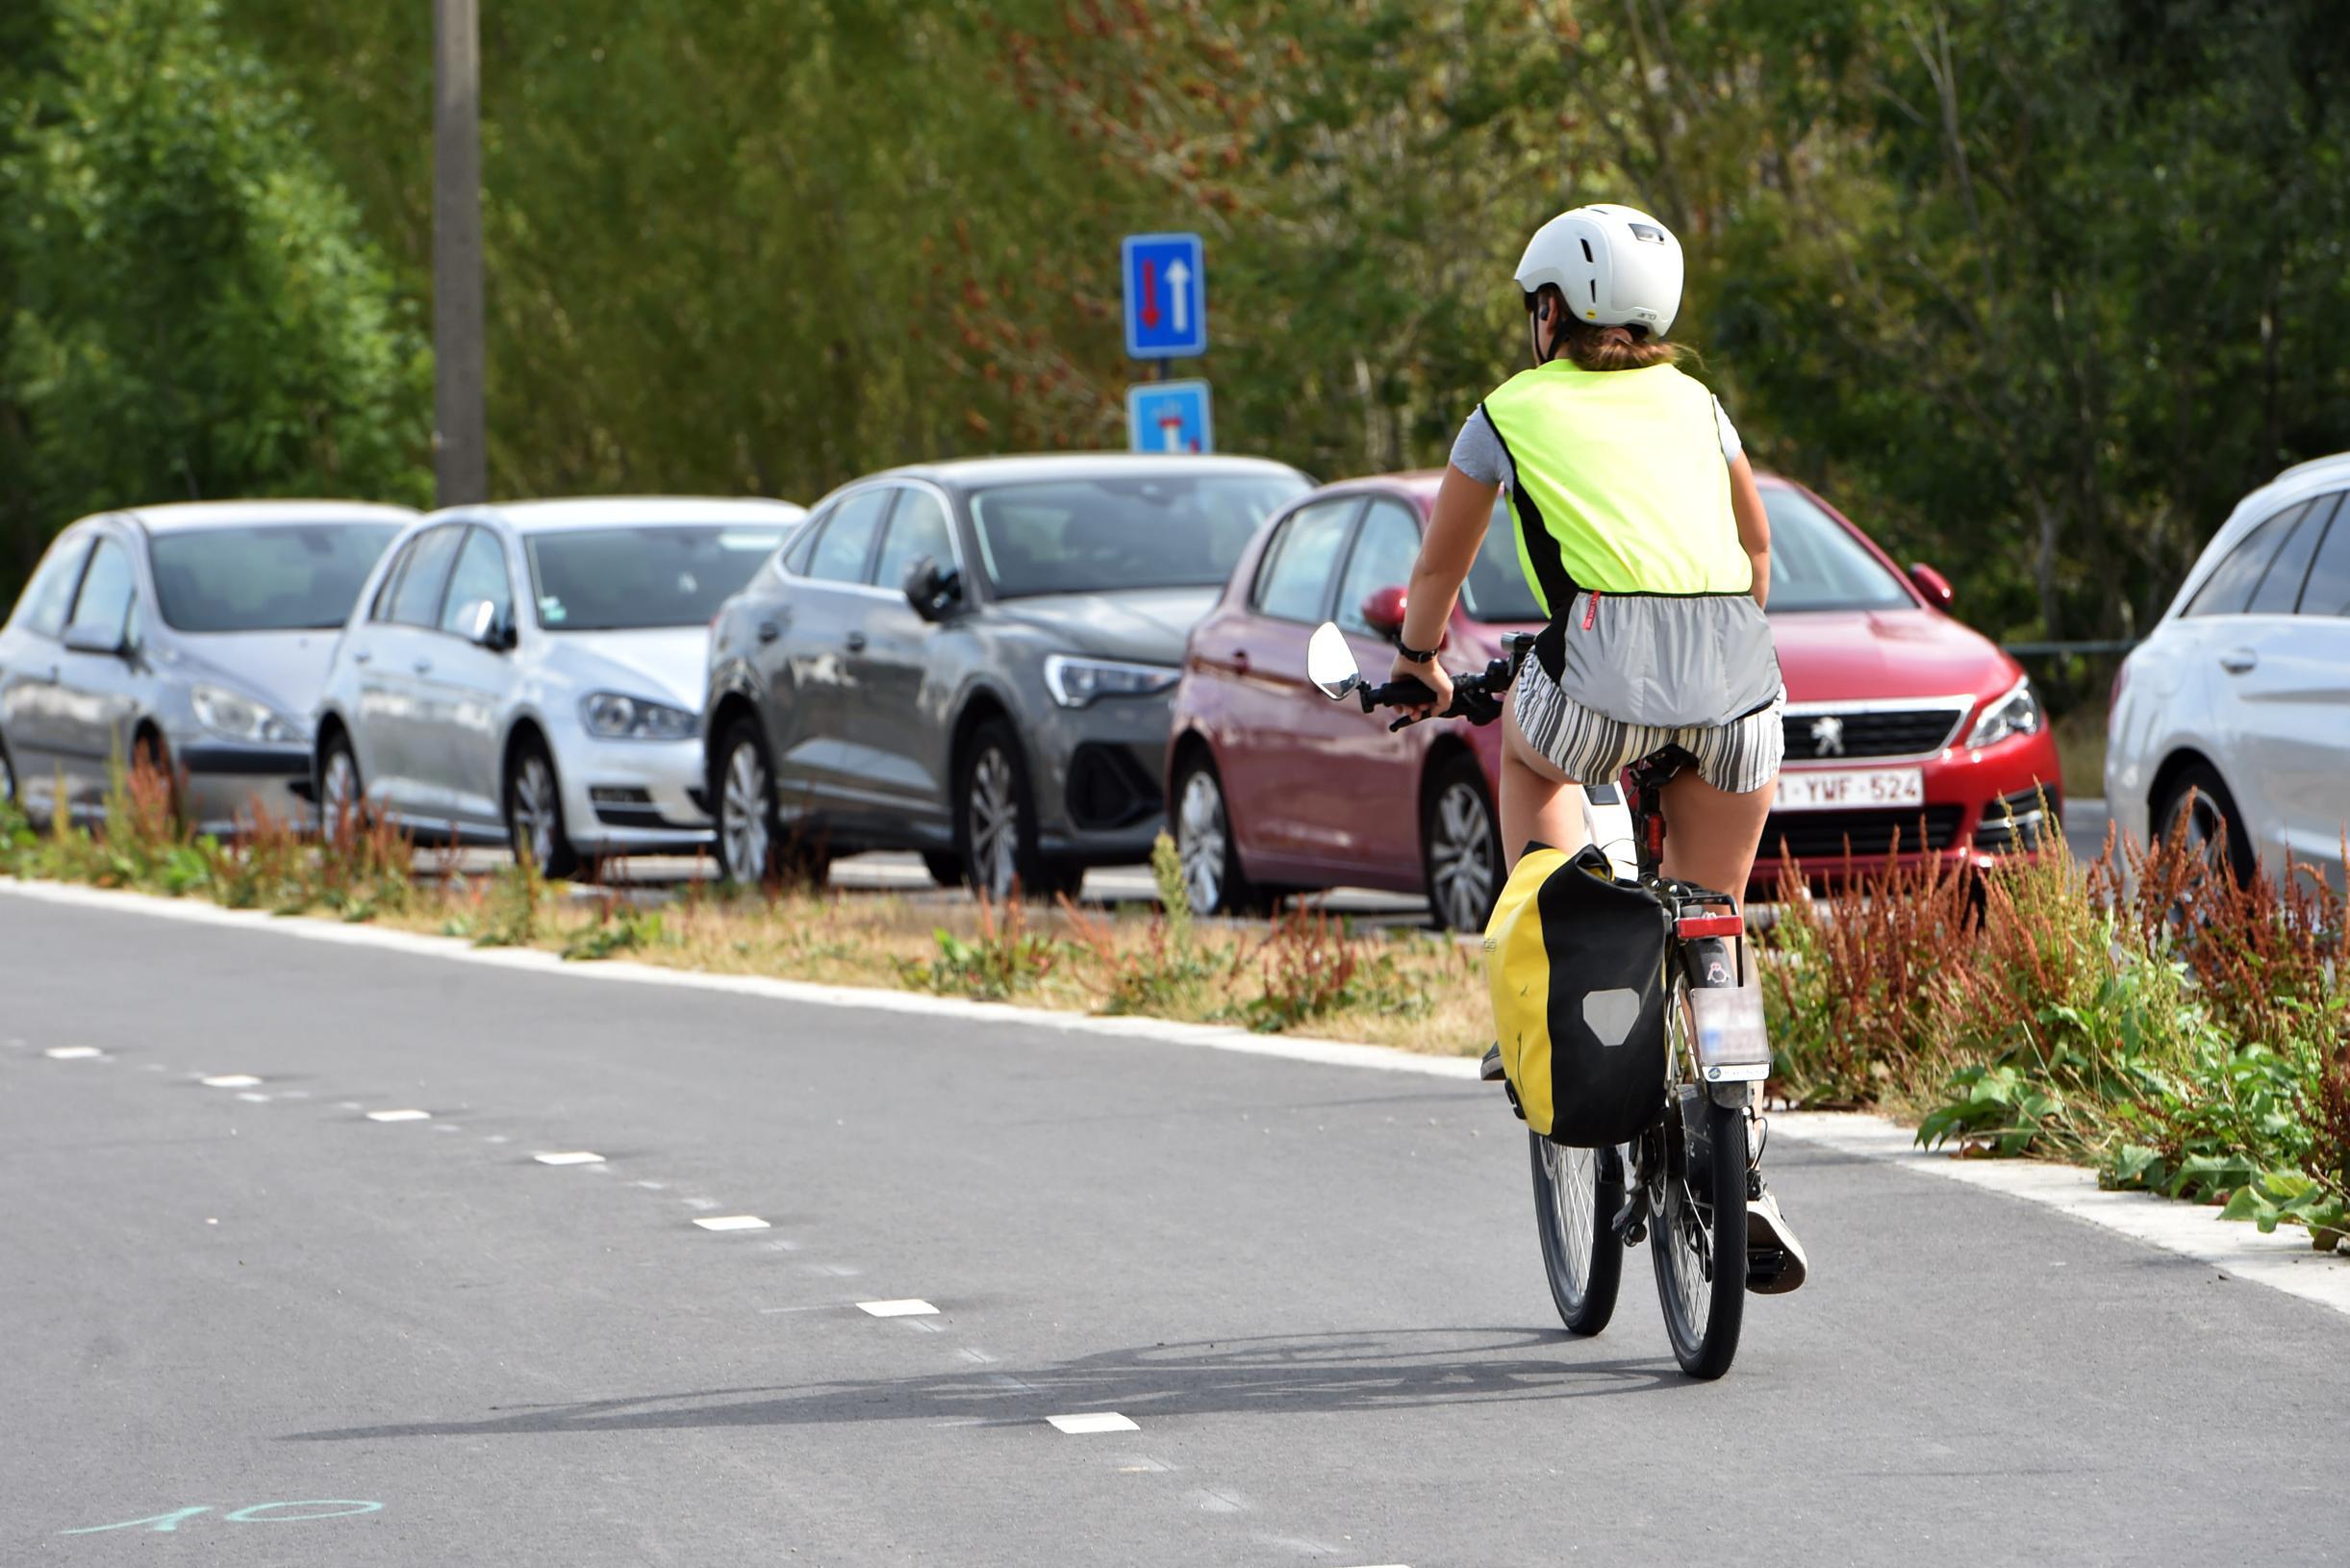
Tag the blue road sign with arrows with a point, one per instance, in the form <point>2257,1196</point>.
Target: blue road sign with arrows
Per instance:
<point>1170,416</point>
<point>1166,287</point>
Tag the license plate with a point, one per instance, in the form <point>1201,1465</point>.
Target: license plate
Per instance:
<point>1845,788</point>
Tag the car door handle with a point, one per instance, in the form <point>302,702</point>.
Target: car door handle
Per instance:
<point>424,667</point>
<point>768,631</point>
<point>363,658</point>
<point>856,641</point>
<point>1240,661</point>
<point>2239,660</point>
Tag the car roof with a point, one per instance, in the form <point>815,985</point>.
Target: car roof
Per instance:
<point>179,515</point>
<point>2318,476</point>
<point>973,473</point>
<point>538,517</point>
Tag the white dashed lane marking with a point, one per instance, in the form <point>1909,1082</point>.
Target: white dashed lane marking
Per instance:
<point>230,1081</point>
<point>731,1222</point>
<point>399,1116</point>
<point>72,1054</point>
<point>908,1308</point>
<point>1093,1421</point>
<point>254,1099</point>
<point>575,1156</point>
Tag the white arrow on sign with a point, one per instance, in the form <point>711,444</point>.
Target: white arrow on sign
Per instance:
<point>1179,288</point>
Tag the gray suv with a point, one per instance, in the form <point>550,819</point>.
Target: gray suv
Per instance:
<point>973,660</point>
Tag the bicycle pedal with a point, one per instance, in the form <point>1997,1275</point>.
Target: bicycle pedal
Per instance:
<point>1764,1266</point>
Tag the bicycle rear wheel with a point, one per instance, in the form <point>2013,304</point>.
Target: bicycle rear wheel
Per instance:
<point>1576,1194</point>
<point>1697,1232</point>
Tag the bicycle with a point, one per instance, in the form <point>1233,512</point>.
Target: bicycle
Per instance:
<point>1683,1181</point>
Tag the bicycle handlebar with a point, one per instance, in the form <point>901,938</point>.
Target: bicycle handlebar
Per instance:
<point>1477,696</point>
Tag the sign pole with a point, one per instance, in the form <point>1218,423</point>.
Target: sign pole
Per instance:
<point>461,466</point>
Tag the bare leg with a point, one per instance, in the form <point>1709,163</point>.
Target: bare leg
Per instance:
<point>1539,803</point>
<point>1711,835</point>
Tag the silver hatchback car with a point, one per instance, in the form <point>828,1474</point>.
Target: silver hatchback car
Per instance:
<point>195,635</point>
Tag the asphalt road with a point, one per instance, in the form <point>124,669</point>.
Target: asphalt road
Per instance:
<point>1314,1289</point>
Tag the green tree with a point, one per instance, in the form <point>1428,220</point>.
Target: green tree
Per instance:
<point>195,312</point>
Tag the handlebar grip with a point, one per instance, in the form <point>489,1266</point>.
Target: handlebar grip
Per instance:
<point>1397,694</point>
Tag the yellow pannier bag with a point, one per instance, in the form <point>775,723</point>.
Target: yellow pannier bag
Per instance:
<point>1575,960</point>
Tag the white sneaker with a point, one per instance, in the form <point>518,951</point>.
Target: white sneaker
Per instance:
<point>1775,1260</point>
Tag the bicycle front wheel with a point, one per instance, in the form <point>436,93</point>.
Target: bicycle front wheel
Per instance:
<point>1698,1233</point>
<point>1576,1194</point>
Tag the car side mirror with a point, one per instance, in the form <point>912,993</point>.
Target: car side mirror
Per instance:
<point>1933,584</point>
<point>1382,610</point>
<point>83,638</point>
<point>933,590</point>
<point>485,626</point>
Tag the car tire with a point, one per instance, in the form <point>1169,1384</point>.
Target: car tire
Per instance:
<point>341,793</point>
<point>742,789</point>
<point>534,812</point>
<point>995,832</point>
<point>7,777</point>
<point>1206,847</point>
<point>944,866</point>
<point>2198,803</point>
<point>1460,847</point>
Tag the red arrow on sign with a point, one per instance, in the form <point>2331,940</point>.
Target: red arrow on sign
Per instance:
<point>1151,294</point>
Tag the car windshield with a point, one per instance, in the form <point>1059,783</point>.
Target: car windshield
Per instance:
<point>1497,592</point>
<point>1816,564</point>
<point>1091,536</point>
<point>271,577</point>
<point>634,579</point>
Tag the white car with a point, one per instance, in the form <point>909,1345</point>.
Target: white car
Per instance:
<point>2233,718</point>
<point>532,675</point>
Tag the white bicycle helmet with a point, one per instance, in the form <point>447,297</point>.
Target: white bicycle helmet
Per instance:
<point>1614,265</point>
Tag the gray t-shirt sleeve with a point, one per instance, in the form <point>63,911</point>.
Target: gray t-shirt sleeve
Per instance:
<point>1478,454</point>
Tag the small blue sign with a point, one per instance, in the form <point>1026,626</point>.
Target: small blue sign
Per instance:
<point>1166,284</point>
<point>1171,417</point>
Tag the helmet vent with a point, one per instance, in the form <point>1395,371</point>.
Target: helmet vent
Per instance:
<point>1641,230</point>
<point>1595,290</point>
<point>1587,256</point>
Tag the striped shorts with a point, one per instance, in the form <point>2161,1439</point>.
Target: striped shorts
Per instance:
<point>1738,757</point>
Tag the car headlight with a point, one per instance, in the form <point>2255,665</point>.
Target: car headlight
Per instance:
<point>613,717</point>
<point>1075,682</point>
<point>239,717</point>
<point>2017,713</point>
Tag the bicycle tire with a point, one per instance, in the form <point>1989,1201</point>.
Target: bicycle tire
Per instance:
<point>1696,1230</point>
<point>1583,1287</point>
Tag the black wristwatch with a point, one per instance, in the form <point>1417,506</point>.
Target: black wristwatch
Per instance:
<point>1415,655</point>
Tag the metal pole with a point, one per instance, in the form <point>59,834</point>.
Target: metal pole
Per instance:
<point>460,467</point>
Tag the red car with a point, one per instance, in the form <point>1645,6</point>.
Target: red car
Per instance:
<point>1902,725</point>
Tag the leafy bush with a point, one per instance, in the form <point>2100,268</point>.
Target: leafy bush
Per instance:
<point>1004,959</point>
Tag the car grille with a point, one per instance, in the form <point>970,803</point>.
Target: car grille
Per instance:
<point>1108,788</point>
<point>1814,733</point>
<point>1864,835</point>
<point>2022,820</point>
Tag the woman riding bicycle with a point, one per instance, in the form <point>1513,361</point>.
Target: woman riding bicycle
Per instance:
<point>1644,538</point>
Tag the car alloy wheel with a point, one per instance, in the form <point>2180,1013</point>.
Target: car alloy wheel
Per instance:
<point>534,814</point>
<point>743,843</point>
<point>1464,862</point>
<point>7,778</point>
<point>2200,809</point>
<point>340,799</point>
<point>1204,839</point>
<point>995,823</point>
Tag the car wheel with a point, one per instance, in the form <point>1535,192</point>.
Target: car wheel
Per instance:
<point>1205,845</point>
<point>995,820</point>
<point>944,866</point>
<point>534,813</point>
<point>1460,848</point>
<point>342,800</point>
<point>7,777</point>
<point>2199,806</point>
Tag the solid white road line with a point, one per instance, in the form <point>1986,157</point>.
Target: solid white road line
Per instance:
<point>1093,1421</point>
<point>576,1156</point>
<point>230,1080</point>
<point>73,1053</point>
<point>908,1308</point>
<point>399,1116</point>
<point>732,1222</point>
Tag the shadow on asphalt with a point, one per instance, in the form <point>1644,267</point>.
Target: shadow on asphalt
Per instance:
<point>1396,1369</point>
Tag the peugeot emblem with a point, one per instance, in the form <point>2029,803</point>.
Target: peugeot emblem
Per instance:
<point>1827,736</point>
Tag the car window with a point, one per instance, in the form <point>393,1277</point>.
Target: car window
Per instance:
<point>1293,582</point>
<point>1119,531</point>
<point>847,542</point>
<point>104,604</point>
<point>47,596</point>
<point>917,528</point>
<point>2229,588</point>
<point>1385,547</point>
<point>273,577</point>
<point>1497,592</point>
<point>380,607</point>
<point>1816,564</point>
<point>635,579</point>
<point>480,575</point>
<point>2327,592</point>
<point>2281,588</point>
<point>416,600</point>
